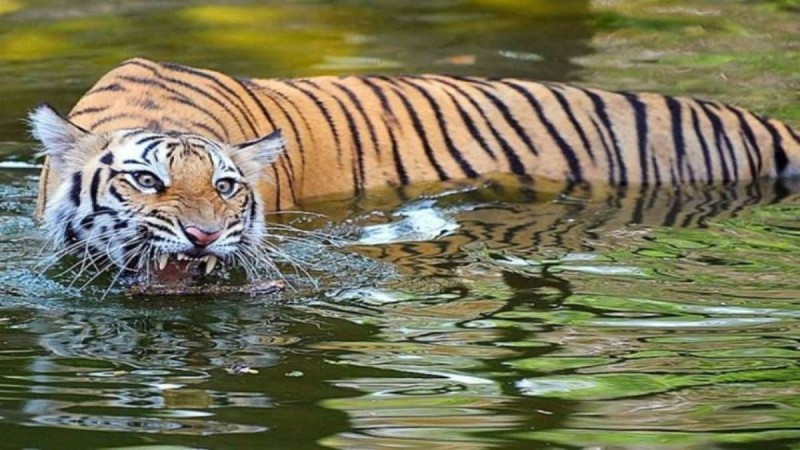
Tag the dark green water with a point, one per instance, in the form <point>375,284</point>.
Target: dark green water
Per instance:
<point>455,317</point>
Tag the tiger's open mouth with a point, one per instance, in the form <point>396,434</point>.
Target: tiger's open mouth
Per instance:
<point>179,266</point>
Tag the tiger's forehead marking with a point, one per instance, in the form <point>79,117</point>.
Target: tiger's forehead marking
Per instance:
<point>170,155</point>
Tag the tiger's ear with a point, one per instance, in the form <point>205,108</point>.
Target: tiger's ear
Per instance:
<point>253,156</point>
<point>59,136</point>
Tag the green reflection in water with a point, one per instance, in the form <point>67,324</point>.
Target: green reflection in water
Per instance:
<point>655,439</point>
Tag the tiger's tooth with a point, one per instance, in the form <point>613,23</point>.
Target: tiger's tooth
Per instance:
<point>162,261</point>
<point>211,261</point>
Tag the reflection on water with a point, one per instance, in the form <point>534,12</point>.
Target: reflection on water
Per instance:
<point>482,315</point>
<point>626,323</point>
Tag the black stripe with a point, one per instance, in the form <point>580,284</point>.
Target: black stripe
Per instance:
<point>252,207</point>
<point>678,140</point>
<point>148,139</point>
<point>165,228</point>
<point>292,124</point>
<point>161,215</point>
<point>87,222</point>
<point>472,80</point>
<point>282,162</point>
<point>113,87</point>
<point>177,96</point>
<point>112,118</point>
<point>748,138</point>
<point>150,147</point>
<point>477,136</point>
<point>214,133</point>
<point>134,161</point>
<point>355,137</point>
<point>361,111</point>
<point>704,149</point>
<point>107,159</point>
<point>749,150</point>
<point>465,166</point>
<point>720,132</point>
<point>88,110</point>
<point>398,160</point>
<point>794,135</point>
<point>252,96</point>
<point>182,99</point>
<point>420,130</point>
<point>509,118</point>
<point>781,160</point>
<point>75,189</point>
<point>513,160</point>
<point>640,117</point>
<point>94,187</point>
<point>131,133</point>
<point>355,133</point>
<point>222,89</point>
<point>328,118</point>
<point>656,172</point>
<point>203,93</point>
<point>607,150</point>
<point>289,117</point>
<point>602,113</point>
<point>565,105</point>
<point>575,170</point>
<point>112,190</point>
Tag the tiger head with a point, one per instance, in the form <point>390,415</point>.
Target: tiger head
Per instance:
<point>151,202</point>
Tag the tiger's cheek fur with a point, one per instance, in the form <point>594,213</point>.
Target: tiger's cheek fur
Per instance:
<point>83,217</point>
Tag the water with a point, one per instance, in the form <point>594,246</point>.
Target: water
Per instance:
<point>480,315</point>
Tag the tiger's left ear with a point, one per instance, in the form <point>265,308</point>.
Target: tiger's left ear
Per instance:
<point>59,136</point>
<point>253,156</point>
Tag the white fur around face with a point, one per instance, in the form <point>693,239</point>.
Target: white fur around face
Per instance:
<point>59,138</point>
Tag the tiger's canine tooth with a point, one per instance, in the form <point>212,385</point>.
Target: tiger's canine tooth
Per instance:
<point>211,261</point>
<point>162,261</point>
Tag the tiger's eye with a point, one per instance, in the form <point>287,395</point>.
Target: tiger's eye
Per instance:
<point>225,186</point>
<point>146,180</point>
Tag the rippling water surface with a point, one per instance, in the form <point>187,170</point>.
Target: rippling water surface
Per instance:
<point>482,315</point>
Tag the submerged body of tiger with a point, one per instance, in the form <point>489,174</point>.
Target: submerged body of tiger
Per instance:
<point>347,134</point>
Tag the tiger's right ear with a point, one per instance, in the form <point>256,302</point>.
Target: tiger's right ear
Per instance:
<point>59,136</point>
<point>253,156</point>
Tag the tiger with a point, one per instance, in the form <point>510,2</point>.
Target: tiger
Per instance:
<point>163,165</point>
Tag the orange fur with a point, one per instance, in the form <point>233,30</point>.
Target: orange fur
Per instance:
<point>345,134</point>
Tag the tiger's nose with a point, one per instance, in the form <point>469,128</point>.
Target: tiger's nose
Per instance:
<point>201,238</point>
